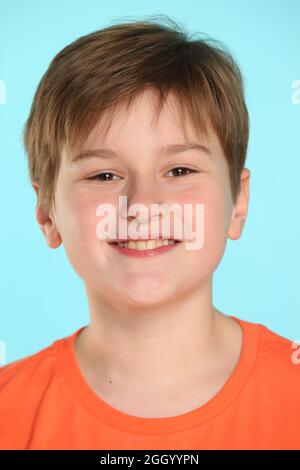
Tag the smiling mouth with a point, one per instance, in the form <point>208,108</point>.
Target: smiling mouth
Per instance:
<point>144,245</point>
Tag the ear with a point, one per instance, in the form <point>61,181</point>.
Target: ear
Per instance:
<point>240,209</point>
<point>46,222</point>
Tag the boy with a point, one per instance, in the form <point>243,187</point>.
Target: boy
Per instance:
<point>158,366</point>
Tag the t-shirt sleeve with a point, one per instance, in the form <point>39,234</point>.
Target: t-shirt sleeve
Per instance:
<point>23,383</point>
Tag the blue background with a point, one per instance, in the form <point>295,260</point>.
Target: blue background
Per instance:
<point>42,298</point>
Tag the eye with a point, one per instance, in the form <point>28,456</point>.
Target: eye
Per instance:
<point>99,176</point>
<point>104,177</point>
<point>182,168</point>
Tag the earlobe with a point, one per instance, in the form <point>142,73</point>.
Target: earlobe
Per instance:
<point>237,224</point>
<point>235,228</point>
<point>51,234</point>
<point>55,241</point>
<point>47,224</point>
<point>241,208</point>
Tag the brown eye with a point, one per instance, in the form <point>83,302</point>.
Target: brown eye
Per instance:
<point>181,170</point>
<point>102,177</point>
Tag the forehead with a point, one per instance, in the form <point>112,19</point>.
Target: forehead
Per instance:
<point>140,118</point>
<point>139,127</point>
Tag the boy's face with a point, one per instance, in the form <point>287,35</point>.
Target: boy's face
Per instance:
<point>145,177</point>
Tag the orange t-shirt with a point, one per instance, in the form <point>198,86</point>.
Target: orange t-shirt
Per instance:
<point>45,403</point>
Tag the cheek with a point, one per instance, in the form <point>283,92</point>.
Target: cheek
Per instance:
<point>78,223</point>
<point>203,261</point>
<point>215,220</point>
<point>212,197</point>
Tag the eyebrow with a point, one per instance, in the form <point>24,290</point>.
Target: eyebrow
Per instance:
<point>165,151</point>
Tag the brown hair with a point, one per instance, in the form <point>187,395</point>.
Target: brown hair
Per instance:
<point>105,68</point>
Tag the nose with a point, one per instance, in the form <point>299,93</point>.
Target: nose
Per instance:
<point>143,201</point>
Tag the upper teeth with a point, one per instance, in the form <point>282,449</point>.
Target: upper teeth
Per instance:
<point>145,244</point>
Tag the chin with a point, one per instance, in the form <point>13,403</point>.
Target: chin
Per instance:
<point>149,294</point>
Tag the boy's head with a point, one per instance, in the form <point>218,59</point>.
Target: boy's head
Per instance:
<point>137,88</point>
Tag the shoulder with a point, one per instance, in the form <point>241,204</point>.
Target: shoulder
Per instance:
<point>275,346</point>
<point>31,371</point>
<point>278,359</point>
<point>25,386</point>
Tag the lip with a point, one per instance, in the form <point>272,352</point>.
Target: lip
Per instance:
<point>144,253</point>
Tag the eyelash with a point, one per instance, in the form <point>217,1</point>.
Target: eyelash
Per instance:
<point>110,173</point>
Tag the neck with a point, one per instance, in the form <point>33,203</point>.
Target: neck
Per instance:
<point>160,344</point>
